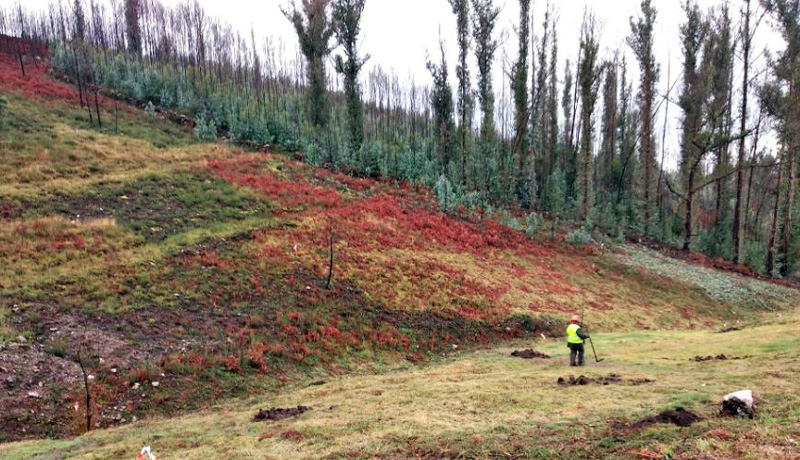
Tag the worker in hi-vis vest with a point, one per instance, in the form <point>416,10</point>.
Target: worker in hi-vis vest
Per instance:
<point>575,339</point>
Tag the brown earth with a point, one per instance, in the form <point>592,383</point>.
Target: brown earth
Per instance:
<point>275,414</point>
<point>721,357</point>
<point>606,380</point>
<point>678,416</point>
<point>529,354</point>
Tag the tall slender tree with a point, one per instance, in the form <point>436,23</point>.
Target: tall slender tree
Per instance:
<point>133,29</point>
<point>695,91</point>
<point>783,98</point>
<point>747,40</point>
<point>551,105</point>
<point>346,17</point>
<point>465,108</point>
<point>483,24</point>
<point>442,103</point>
<point>519,85</point>
<point>314,31</point>
<point>590,78</point>
<point>641,41</point>
<point>608,148</point>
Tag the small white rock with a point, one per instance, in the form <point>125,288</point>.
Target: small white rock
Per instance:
<point>155,384</point>
<point>34,394</point>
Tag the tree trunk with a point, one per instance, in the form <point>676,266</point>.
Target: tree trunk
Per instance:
<point>737,210</point>
<point>774,230</point>
<point>687,239</point>
<point>787,221</point>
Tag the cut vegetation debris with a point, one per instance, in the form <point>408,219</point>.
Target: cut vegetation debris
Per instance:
<point>678,416</point>
<point>529,354</point>
<point>721,357</point>
<point>276,414</point>
<point>605,380</point>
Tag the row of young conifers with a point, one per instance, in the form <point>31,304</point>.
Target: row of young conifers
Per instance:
<point>529,141</point>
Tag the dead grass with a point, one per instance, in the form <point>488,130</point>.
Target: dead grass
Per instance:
<point>48,149</point>
<point>487,395</point>
<point>40,251</point>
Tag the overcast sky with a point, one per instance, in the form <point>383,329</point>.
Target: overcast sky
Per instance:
<point>399,34</point>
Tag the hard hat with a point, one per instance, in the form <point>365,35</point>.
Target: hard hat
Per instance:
<point>575,319</point>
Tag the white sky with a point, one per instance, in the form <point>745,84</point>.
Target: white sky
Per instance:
<point>399,34</point>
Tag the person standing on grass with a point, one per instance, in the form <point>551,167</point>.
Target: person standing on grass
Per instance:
<point>575,339</point>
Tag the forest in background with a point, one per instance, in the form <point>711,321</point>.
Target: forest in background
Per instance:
<point>577,146</point>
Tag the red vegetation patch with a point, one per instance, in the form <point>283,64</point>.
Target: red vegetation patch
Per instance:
<point>387,240</point>
<point>36,82</point>
<point>245,171</point>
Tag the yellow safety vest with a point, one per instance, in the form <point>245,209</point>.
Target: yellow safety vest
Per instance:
<point>572,334</point>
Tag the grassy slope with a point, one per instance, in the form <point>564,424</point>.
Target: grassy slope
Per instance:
<point>207,265</point>
<point>485,404</point>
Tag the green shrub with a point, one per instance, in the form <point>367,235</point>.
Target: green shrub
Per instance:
<point>578,237</point>
<point>506,218</point>
<point>150,110</point>
<point>59,348</point>
<point>205,130</point>
<point>445,195</point>
<point>755,256</point>
<point>533,222</point>
<point>555,192</point>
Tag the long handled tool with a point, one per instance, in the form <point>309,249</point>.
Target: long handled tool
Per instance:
<point>596,359</point>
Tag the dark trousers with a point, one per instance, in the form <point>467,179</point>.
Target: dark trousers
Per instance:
<point>575,350</point>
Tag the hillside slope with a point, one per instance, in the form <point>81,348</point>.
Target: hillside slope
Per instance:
<point>200,271</point>
<point>486,404</point>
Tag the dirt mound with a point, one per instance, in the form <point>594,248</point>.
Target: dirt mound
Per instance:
<point>275,414</point>
<point>607,380</point>
<point>529,354</point>
<point>701,359</point>
<point>583,380</point>
<point>679,416</point>
<point>737,408</point>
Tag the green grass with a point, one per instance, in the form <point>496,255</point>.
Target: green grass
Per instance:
<point>158,206</point>
<point>740,292</point>
<point>42,450</point>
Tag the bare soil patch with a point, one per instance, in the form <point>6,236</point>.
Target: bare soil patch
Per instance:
<point>529,354</point>
<point>678,416</point>
<point>605,380</point>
